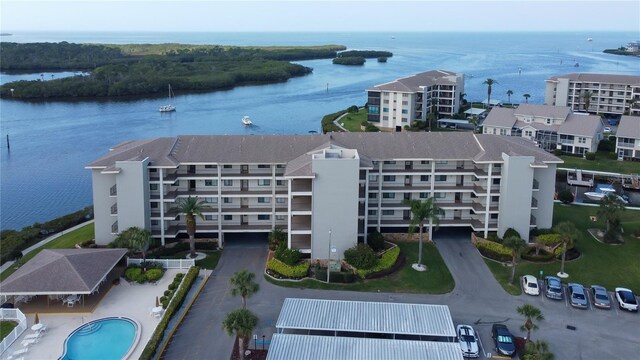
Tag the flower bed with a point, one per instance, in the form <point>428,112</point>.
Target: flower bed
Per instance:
<point>493,250</point>
<point>386,262</point>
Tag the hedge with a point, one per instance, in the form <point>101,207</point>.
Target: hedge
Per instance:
<point>543,256</point>
<point>549,239</point>
<point>150,350</point>
<point>385,262</point>
<point>494,251</point>
<point>361,256</point>
<point>342,277</point>
<point>153,274</point>
<point>292,272</point>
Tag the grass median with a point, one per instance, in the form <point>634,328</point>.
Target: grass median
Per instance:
<point>437,280</point>
<point>602,163</point>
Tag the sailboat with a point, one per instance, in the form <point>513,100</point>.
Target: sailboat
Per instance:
<point>169,107</point>
<point>246,121</point>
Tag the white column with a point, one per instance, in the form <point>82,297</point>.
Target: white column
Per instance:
<point>289,213</point>
<point>488,202</point>
<point>220,234</point>
<point>433,186</point>
<point>380,163</point>
<point>366,204</point>
<point>273,196</point>
<point>161,187</point>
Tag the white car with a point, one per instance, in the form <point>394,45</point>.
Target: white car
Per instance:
<point>468,340</point>
<point>530,285</point>
<point>606,130</point>
<point>626,299</point>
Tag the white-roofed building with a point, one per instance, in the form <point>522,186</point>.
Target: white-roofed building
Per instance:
<point>628,138</point>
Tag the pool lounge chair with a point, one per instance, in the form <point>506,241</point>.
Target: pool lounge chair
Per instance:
<point>20,352</point>
<point>27,343</point>
<point>35,335</point>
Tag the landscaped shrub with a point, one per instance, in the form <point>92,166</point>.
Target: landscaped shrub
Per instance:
<point>327,122</point>
<point>169,251</point>
<point>565,196</point>
<point>152,265</point>
<point>371,128</point>
<point>375,240</point>
<point>636,232</point>
<point>292,272</point>
<point>549,239</point>
<point>167,293</point>
<point>590,156</point>
<point>276,237</point>
<point>386,261</point>
<point>132,273</point>
<point>172,286</point>
<point>361,256</point>
<point>494,250</point>
<point>153,274</point>
<point>542,256</point>
<point>343,277</point>
<point>352,109</point>
<point>206,245</point>
<point>286,255</point>
<point>157,336</point>
<point>511,232</point>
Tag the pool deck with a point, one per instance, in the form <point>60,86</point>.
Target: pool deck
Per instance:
<point>126,300</point>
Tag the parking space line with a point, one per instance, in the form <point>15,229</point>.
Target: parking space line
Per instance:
<point>481,347</point>
<point>566,295</point>
<point>613,303</point>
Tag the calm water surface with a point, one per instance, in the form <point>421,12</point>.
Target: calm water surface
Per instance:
<point>43,174</point>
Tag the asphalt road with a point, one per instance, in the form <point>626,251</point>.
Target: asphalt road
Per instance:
<point>477,299</point>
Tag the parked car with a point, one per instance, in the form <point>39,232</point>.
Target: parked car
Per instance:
<point>600,297</point>
<point>577,296</point>
<point>626,299</point>
<point>553,288</point>
<point>468,340</point>
<point>503,339</point>
<point>530,285</point>
<point>606,130</point>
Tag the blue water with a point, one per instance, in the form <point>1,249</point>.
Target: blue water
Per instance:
<point>105,339</point>
<point>43,174</point>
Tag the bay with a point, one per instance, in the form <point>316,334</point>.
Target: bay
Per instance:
<point>42,176</point>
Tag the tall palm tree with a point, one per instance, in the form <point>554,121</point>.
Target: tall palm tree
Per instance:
<point>243,284</point>
<point>526,98</point>
<point>422,211</point>
<point>586,96</point>
<point>509,93</point>
<point>140,239</point>
<point>489,82</point>
<point>191,207</point>
<point>517,246</point>
<point>610,208</point>
<point>537,350</point>
<point>241,323</point>
<point>530,313</point>
<point>568,235</point>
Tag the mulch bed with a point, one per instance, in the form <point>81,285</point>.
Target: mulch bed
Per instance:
<point>255,354</point>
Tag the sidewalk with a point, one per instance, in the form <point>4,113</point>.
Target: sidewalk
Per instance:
<point>53,237</point>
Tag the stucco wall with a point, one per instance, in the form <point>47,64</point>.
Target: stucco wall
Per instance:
<point>515,195</point>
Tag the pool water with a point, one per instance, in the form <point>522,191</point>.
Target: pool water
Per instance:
<point>104,339</point>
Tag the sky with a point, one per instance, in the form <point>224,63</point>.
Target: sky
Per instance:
<point>319,15</point>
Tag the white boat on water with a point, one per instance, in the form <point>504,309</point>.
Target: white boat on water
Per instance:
<point>246,121</point>
<point>169,107</point>
<point>603,191</point>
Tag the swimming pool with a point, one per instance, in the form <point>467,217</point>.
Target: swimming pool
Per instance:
<point>102,339</point>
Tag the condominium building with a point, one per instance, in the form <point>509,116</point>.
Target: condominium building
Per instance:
<point>550,127</point>
<point>595,93</point>
<point>322,188</point>
<point>400,102</point>
<point>628,138</point>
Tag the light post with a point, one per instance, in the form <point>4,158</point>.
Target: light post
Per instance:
<point>255,342</point>
<point>329,258</point>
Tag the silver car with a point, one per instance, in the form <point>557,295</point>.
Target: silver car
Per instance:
<point>577,296</point>
<point>600,297</point>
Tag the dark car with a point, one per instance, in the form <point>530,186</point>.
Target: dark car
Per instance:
<point>503,339</point>
<point>578,296</point>
<point>600,297</point>
<point>553,288</point>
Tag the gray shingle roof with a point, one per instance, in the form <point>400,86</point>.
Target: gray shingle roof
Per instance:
<point>601,78</point>
<point>546,111</point>
<point>581,125</point>
<point>62,271</point>
<point>282,149</point>
<point>414,82</point>
<point>500,117</point>
<point>629,127</point>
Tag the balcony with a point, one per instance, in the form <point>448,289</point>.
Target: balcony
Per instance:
<point>536,185</point>
<point>532,220</point>
<point>114,209</point>
<point>301,186</point>
<point>301,203</point>
<point>301,223</point>
<point>113,191</point>
<point>534,203</point>
<point>114,228</point>
<point>301,242</point>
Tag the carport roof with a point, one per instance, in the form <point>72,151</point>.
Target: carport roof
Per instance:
<point>294,347</point>
<point>369,317</point>
<point>62,271</point>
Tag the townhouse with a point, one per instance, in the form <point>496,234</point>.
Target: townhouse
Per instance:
<point>550,127</point>
<point>628,138</point>
<point>595,93</point>
<point>396,104</point>
<point>322,188</point>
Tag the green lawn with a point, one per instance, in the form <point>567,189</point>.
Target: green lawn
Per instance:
<point>65,241</point>
<point>6,327</point>
<point>437,280</point>
<point>601,264</point>
<point>352,121</point>
<point>601,163</point>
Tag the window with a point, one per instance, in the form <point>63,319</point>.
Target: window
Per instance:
<point>264,200</point>
<point>155,222</point>
<point>264,166</point>
<point>374,109</point>
<point>405,103</point>
<point>404,119</point>
<point>440,178</point>
<point>228,166</point>
<point>404,95</point>
<point>227,182</point>
<point>582,140</point>
<point>280,217</point>
<point>211,200</point>
<point>389,178</point>
<point>281,200</point>
<point>439,195</point>
<point>495,199</point>
<point>424,195</point>
<point>503,131</point>
<point>280,183</point>
<point>280,166</point>
<point>388,212</point>
<point>154,205</point>
<point>405,111</point>
<point>388,195</point>
<point>211,217</point>
<point>228,217</point>
<point>385,109</point>
<point>494,216</point>
<point>153,187</point>
<point>424,177</point>
<point>528,133</point>
<point>373,195</point>
<point>372,212</point>
<point>227,200</point>
<point>211,183</point>
<point>496,182</point>
<point>548,121</point>
<point>264,217</point>
<point>373,178</point>
<point>424,162</point>
<point>264,182</point>
<point>210,166</point>
<point>385,117</point>
<point>153,170</point>
<point>442,162</point>
<point>389,162</point>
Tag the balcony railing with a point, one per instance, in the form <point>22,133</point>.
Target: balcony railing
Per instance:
<point>114,209</point>
<point>113,191</point>
<point>536,184</point>
<point>534,202</point>
<point>114,228</point>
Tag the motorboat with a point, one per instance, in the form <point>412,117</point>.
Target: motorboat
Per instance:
<point>169,107</point>
<point>246,121</point>
<point>602,191</point>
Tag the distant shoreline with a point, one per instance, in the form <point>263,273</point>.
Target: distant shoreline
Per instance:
<point>621,52</point>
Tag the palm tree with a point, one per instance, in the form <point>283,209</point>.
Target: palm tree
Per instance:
<point>489,82</point>
<point>531,313</point>
<point>526,98</point>
<point>587,99</point>
<point>568,235</point>
<point>509,93</point>
<point>422,211</point>
<point>243,284</point>
<point>241,323</point>
<point>610,207</point>
<point>537,350</point>
<point>517,246</point>
<point>140,239</point>
<point>191,207</point>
